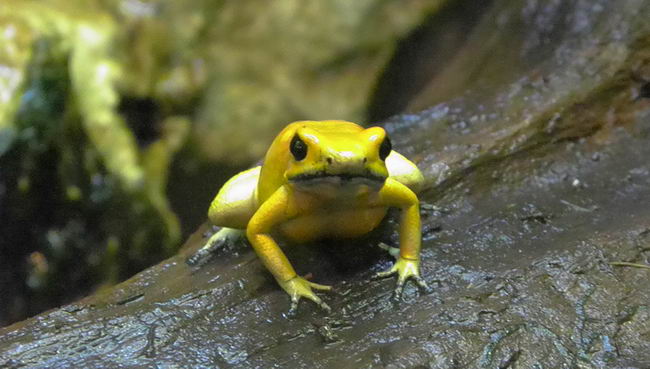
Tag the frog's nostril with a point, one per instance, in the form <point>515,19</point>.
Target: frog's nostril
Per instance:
<point>329,160</point>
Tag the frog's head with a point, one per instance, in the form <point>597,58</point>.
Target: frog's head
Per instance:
<point>337,153</point>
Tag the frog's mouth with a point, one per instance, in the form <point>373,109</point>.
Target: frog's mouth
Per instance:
<point>320,177</point>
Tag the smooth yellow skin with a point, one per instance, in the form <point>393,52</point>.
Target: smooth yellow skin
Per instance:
<point>272,199</point>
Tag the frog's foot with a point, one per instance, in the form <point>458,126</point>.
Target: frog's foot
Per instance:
<point>298,287</point>
<point>220,239</point>
<point>405,269</point>
<point>211,231</point>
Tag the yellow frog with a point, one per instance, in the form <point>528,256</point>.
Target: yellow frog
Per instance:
<point>321,179</point>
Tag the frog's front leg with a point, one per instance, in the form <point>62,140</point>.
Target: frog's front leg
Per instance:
<point>407,265</point>
<point>273,211</point>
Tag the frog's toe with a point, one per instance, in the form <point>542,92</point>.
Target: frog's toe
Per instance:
<point>293,308</point>
<point>399,287</point>
<point>405,270</point>
<point>321,287</point>
<point>385,274</point>
<point>321,303</point>
<point>401,281</point>
<point>312,296</point>
<point>299,287</point>
<point>421,283</point>
<point>318,300</point>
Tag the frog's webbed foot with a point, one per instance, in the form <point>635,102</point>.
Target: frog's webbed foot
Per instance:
<point>405,269</point>
<point>298,287</point>
<point>218,240</point>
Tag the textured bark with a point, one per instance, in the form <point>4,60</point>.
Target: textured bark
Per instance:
<point>542,182</point>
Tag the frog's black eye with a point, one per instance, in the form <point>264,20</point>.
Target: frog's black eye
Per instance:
<point>298,148</point>
<point>385,148</point>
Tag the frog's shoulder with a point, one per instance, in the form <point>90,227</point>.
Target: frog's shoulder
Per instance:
<point>404,171</point>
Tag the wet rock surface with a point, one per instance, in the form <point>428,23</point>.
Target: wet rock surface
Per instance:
<point>520,258</point>
<point>535,250</point>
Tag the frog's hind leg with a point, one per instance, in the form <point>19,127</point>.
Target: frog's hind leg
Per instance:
<point>236,201</point>
<point>231,210</point>
<point>220,239</point>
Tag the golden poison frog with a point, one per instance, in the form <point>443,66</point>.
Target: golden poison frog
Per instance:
<point>321,179</point>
